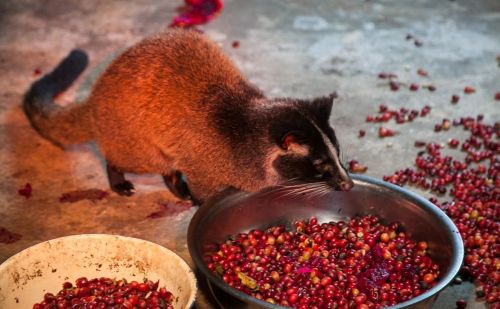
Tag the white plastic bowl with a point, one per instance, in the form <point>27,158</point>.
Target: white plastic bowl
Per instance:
<point>28,275</point>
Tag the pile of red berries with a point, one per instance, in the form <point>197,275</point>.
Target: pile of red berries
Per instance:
<point>474,186</point>
<point>108,293</point>
<point>360,263</point>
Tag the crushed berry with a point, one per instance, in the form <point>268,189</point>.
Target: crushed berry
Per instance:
<point>454,99</point>
<point>361,133</point>
<point>170,209</point>
<point>108,293</point>
<point>37,72</point>
<point>235,44</point>
<point>197,12</point>
<point>78,195</point>
<point>25,191</point>
<point>497,96</point>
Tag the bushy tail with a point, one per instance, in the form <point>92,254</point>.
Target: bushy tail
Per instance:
<point>61,125</point>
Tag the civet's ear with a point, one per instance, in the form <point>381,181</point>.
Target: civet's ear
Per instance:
<point>322,106</point>
<point>291,139</point>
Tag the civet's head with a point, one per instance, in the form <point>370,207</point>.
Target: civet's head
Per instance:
<point>303,144</point>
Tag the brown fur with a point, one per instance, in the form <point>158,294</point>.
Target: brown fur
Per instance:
<point>149,110</point>
<point>153,111</point>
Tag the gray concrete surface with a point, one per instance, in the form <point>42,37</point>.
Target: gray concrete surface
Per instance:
<point>287,48</point>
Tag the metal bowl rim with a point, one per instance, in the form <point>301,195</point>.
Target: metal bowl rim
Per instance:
<point>454,267</point>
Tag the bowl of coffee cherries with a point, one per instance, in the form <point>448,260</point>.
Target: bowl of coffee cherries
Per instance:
<point>304,246</point>
<point>96,271</point>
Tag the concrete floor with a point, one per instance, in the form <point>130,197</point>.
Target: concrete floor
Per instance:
<point>287,48</point>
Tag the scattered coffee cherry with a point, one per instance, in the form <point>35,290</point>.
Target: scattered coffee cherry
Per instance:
<point>461,303</point>
<point>429,87</point>
<point>419,143</point>
<point>413,87</point>
<point>474,206</point>
<point>235,44</point>
<point>469,90</point>
<point>400,116</point>
<point>445,124</point>
<point>384,132</point>
<point>497,96</point>
<point>384,75</point>
<point>422,73</point>
<point>357,264</point>
<point>425,110</point>
<point>454,99</point>
<point>355,167</point>
<point>453,143</point>
<point>361,133</point>
<point>108,293</point>
<point>394,85</point>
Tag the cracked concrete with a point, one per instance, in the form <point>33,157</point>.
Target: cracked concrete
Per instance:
<point>287,48</point>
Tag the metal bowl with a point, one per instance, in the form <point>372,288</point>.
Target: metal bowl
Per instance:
<point>240,212</point>
<point>28,275</point>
